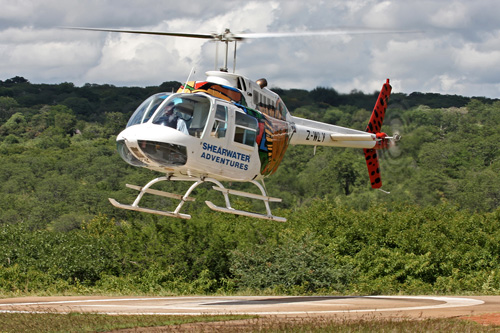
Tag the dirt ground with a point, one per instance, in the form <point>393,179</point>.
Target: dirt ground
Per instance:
<point>485,319</point>
<point>482,309</point>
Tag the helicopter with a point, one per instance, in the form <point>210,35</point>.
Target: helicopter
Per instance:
<point>229,128</point>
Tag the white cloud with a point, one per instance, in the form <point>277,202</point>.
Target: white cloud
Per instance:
<point>126,57</point>
<point>454,15</point>
<point>41,56</point>
<point>381,15</point>
<point>457,53</point>
<point>470,59</point>
<point>448,83</point>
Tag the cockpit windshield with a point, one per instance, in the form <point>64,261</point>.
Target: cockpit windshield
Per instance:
<point>187,113</point>
<point>144,112</point>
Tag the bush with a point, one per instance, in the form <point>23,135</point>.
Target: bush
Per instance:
<point>290,264</point>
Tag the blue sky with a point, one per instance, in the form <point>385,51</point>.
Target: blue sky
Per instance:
<point>456,52</point>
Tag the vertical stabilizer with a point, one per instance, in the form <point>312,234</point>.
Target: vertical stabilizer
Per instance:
<point>374,126</point>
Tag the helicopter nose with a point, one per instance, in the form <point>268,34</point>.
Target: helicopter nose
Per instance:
<point>126,144</point>
<point>145,147</point>
<point>126,154</point>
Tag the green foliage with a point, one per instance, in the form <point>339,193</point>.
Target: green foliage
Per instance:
<point>323,249</point>
<point>290,264</point>
<point>16,125</point>
<point>437,232</point>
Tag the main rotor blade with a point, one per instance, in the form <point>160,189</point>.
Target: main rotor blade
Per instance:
<point>230,36</point>
<point>158,33</point>
<point>319,33</point>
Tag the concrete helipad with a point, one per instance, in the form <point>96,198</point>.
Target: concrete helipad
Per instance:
<point>383,306</point>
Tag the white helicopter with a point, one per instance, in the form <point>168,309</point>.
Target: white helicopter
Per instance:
<point>230,128</point>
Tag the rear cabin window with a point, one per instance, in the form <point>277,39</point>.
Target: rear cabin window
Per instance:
<point>245,131</point>
<point>220,123</point>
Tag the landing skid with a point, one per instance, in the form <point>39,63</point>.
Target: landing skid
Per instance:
<point>184,198</point>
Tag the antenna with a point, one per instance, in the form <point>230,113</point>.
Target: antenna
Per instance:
<point>187,80</point>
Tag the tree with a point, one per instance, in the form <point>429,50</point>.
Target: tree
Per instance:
<point>79,105</point>
<point>325,95</point>
<point>114,123</point>
<point>346,169</point>
<point>15,125</point>
<point>66,122</point>
<point>15,80</point>
<point>7,107</point>
<point>331,171</point>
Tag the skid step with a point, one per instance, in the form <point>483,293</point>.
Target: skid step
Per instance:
<point>148,210</point>
<point>244,213</point>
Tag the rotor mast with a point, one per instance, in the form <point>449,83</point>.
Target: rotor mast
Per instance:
<point>226,37</point>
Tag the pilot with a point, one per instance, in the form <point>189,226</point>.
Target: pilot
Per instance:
<point>171,119</point>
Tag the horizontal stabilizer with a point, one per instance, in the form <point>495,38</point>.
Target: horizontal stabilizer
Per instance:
<point>352,137</point>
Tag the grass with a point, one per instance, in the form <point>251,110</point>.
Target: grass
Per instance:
<point>88,322</point>
<point>344,325</point>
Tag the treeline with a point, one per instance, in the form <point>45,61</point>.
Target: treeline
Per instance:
<point>324,97</point>
<point>90,102</point>
<point>436,232</point>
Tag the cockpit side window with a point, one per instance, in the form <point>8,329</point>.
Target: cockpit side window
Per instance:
<point>199,119</point>
<point>188,115</point>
